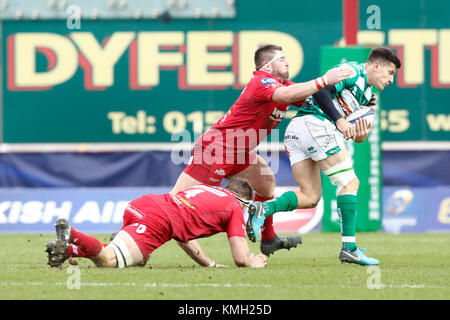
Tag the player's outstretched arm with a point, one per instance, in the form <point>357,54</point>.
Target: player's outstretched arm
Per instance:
<point>193,249</point>
<point>242,256</point>
<point>301,91</point>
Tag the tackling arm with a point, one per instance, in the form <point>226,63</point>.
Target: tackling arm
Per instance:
<point>301,91</point>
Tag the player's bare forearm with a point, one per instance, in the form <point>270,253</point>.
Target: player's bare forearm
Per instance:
<point>294,93</point>
<point>193,249</point>
<point>242,256</point>
<point>303,90</point>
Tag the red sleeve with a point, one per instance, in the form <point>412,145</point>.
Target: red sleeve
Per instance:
<point>236,225</point>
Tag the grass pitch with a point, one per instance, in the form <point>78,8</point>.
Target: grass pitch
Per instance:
<point>413,266</point>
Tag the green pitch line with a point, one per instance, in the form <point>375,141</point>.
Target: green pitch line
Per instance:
<point>413,266</point>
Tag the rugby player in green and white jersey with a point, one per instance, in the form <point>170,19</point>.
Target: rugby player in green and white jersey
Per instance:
<point>313,143</point>
<point>360,89</point>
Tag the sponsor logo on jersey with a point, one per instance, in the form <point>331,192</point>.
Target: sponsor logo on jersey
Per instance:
<point>184,201</point>
<point>220,172</point>
<point>312,150</point>
<point>268,81</point>
<point>333,151</point>
<point>135,212</point>
<point>291,137</point>
<point>277,115</point>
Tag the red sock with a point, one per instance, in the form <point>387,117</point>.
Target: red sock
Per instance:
<point>89,245</point>
<point>76,252</point>
<point>267,231</point>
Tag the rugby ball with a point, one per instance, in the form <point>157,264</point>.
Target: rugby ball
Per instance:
<point>364,112</point>
<point>349,102</point>
<point>346,103</point>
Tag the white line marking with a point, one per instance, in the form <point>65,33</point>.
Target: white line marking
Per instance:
<point>196,285</point>
<point>133,284</point>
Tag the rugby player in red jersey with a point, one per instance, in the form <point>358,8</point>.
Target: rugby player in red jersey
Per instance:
<point>226,150</point>
<point>152,220</point>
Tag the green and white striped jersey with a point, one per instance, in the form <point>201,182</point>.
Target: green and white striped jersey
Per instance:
<point>357,84</point>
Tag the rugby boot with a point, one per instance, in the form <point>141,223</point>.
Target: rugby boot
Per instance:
<point>277,243</point>
<point>357,257</point>
<point>256,209</point>
<point>57,249</point>
<point>57,253</point>
<point>255,220</point>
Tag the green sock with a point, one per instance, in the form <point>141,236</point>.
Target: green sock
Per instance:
<point>286,202</point>
<point>347,204</point>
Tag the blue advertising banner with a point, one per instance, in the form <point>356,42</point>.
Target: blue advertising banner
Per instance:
<point>97,210</point>
<point>416,209</point>
<point>111,169</point>
<point>100,210</point>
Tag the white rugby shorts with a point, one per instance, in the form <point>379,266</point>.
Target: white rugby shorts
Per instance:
<point>310,137</point>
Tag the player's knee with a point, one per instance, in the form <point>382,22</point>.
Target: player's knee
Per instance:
<point>311,199</point>
<point>314,202</point>
<point>343,176</point>
<point>109,262</point>
<point>351,187</point>
<point>266,187</point>
<point>106,259</point>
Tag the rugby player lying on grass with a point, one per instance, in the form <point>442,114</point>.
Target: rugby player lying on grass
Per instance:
<point>152,220</point>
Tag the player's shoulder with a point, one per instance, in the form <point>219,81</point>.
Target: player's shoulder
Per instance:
<point>358,68</point>
<point>261,78</point>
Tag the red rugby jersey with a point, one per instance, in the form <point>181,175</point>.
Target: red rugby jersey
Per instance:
<point>253,115</point>
<point>197,212</point>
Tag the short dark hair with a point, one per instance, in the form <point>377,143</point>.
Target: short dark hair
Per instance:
<point>241,188</point>
<point>265,53</point>
<point>384,54</point>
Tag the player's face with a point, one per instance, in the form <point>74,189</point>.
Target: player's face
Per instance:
<point>382,74</point>
<point>280,67</point>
